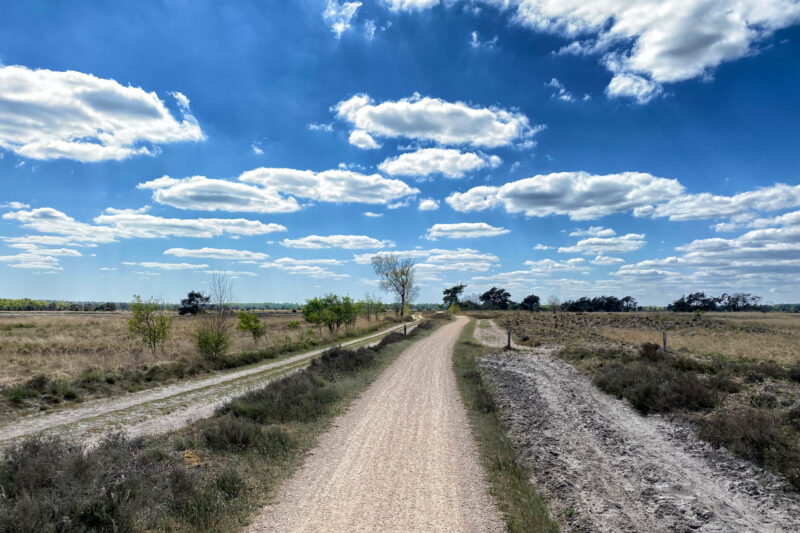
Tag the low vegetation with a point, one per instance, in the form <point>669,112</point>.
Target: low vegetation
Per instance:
<point>522,507</point>
<point>209,476</point>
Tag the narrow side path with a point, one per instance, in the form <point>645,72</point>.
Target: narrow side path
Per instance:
<point>401,459</point>
<point>159,409</point>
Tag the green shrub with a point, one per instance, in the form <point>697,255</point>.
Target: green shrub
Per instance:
<point>251,323</point>
<point>149,324</point>
<point>212,343</point>
<point>241,435</point>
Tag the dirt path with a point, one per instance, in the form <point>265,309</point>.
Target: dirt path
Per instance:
<point>612,469</point>
<point>160,409</point>
<point>401,459</point>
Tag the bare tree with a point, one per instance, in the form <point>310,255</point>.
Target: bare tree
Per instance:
<point>214,333</point>
<point>396,275</point>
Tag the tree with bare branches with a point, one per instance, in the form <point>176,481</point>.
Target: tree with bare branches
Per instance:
<point>396,275</point>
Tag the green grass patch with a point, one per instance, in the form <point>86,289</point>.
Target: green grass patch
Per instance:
<point>521,505</point>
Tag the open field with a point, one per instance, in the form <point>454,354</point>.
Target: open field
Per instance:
<point>63,345</point>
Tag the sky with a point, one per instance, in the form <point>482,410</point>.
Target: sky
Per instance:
<point>554,147</point>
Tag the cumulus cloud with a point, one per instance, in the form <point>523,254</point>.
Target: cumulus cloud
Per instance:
<point>438,260</point>
<point>593,231</point>
<point>648,43</point>
<point>166,266</point>
<point>580,195</point>
<point>463,230</point>
<point>432,119</point>
<point>46,114</point>
<point>338,16</point>
<point>315,126</point>
<point>561,91</point>
<point>348,242</point>
<point>601,245</point>
<point>475,41</point>
<point>363,140</point>
<point>275,190</point>
<point>33,257</point>
<point>217,253</point>
<point>15,205</point>
<point>706,205</point>
<point>428,204</point>
<point>370,214</point>
<point>314,268</point>
<point>606,260</point>
<point>545,266</point>
<point>448,162</point>
<point>541,246</point>
<point>115,224</point>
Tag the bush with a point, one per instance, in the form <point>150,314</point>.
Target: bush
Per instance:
<point>240,435</point>
<point>51,485</point>
<point>755,434</point>
<point>656,388</point>
<point>250,322</point>
<point>149,323</point>
<point>650,351</point>
<point>213,343</point>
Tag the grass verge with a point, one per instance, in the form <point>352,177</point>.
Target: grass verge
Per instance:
<point>210,476</point>
<point>520,503</point>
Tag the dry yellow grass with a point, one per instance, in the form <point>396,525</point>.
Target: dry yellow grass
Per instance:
<point>760,336</point>
<point>65,344</point>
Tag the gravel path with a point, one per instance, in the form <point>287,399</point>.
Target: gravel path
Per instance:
<point>160,409</point>
<point>619,471</point>
<point>402,458</point>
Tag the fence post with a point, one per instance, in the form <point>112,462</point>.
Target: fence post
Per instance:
<point>509,339</point>
<point>404,330</point>
<point>664,339</point>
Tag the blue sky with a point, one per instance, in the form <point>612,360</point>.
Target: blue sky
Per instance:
<point>558,148</point>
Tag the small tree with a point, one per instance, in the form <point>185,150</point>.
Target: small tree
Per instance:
<point>370,306</point>
<point>194,303</point>
<point>250,322</point>
<point>396,275</point>
<point>450,296</point>
<point>149,323</point>
<point>530,303</point>
<point>214,332</point>
<point>496,298</point>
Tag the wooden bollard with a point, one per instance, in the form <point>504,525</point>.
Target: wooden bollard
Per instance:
<point>664,340</point>
<point>509,339</point>
<point>404,330</point>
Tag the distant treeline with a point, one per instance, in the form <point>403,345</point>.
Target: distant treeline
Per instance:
<point>738,301</point>
<point>27,304</point>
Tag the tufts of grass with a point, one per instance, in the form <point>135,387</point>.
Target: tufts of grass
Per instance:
<point>522,507</point>
<point>229,434</point>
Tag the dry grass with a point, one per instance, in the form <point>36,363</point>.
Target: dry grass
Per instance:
<point>63,345</point>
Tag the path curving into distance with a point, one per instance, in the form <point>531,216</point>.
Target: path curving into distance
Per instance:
<point>402,458</point>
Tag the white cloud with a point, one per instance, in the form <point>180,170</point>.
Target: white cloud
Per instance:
<point>463,230</point>
<point>314,126</point>
<point>363,140</point>
<point>541,246</point>
<point>706,205</point>
<point>14,205</point>
<point>217,253</point>
<point>428,204</point>
<point>204,194</point>
<point>348,242</point>
<point>338,16</point>
<point>166,266</point>
<point>438,260</point>
<point>475,41</point>
<point>449,162</point>
<point>593,231</point>
<point>601,245</point>
<point>306,267</point>
<point>410,5</point>
<point>115,224</point>
<point>370,214</point>
<point>432,119</point>
<point>231,273</point>
<point>33,257</point>
<point>650,42</point>
<point>580,195</point>
<point>606,260</point>
<point>274,190</point>
<point>256,149</point>
<point>545,266</point>
<point>561,91</point>
<point>46,114</point>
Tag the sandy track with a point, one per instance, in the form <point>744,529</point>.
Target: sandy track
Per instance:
<point>620,471</point>
<point>160,409</point>
<point>401,459</point>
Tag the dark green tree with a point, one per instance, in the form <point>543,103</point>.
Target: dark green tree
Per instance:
<point>451,295</point>
<point>194,303</point>
<point>496,298</point>
<point>530,303</point>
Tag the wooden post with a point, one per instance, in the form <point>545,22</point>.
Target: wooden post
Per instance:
<point>509,339</point>
<point>664,339</point>
<point>404,330</point>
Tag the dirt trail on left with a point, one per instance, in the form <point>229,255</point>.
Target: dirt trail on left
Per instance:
<point>160,409</point>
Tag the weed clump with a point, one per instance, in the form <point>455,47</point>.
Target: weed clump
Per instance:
<point>229,434</point>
